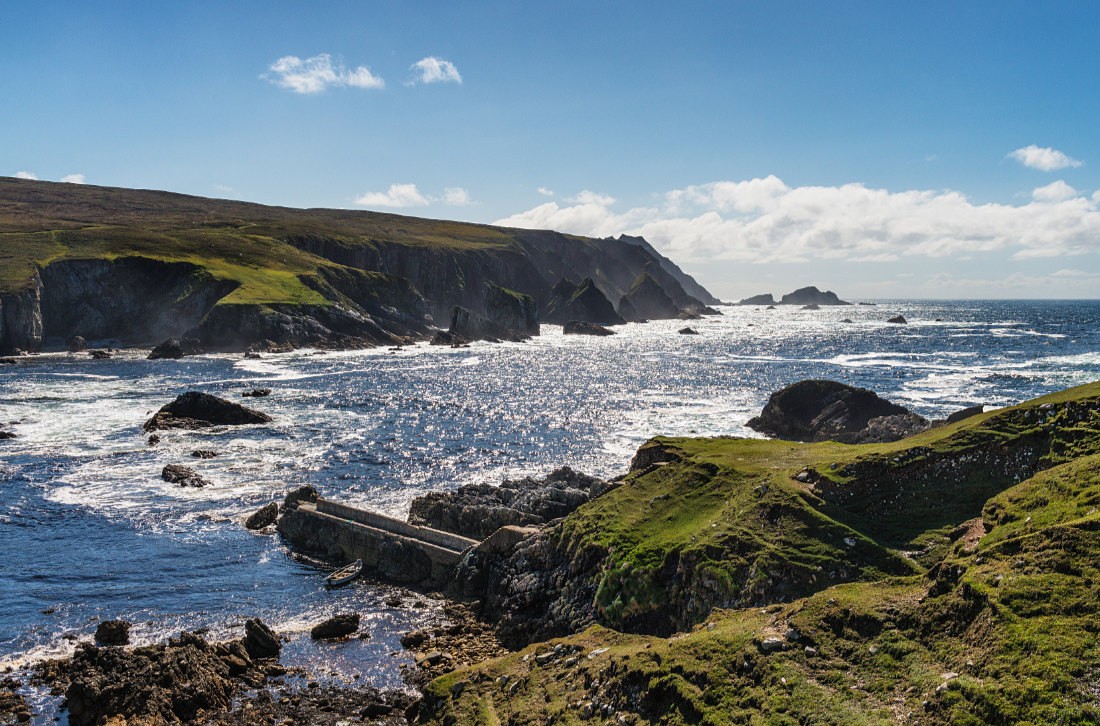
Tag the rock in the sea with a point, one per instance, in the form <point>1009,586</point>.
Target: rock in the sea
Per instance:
<point>478,510</point>
<point>262,517</point>
<point>194,410</point>
<point>182,475</point>
<point>176,348</point>
<point>302,494</point>
<point>256,393</point>
<point>898,320</point>
<point>811,306</point>
<point>204,454</point>
<point>99,354</point>
<point>259,640</point>
<point>6,435</point>
<point>764,299</point>
<point>112,632</point>
<point>77,344</point>
<point>688,331</point>
<point>812,296</point>
<point>818,410</point>
<point>578,327</point>
<point>446,337</point>
<point>584,302</point>
<point>337,626</point>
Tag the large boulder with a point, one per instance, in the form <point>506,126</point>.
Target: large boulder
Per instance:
<point>182,475</point>
<point>262,517</point>
<point>112,632</point>
<point>584,303</point>
<point>259,640</point>
<point>338,626</point>
<point>478,510</point>
<point>818,410</point>
<point>195,410</point>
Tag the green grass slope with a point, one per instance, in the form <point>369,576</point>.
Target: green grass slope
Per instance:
<point>995,622</point>
<point>250,244</point>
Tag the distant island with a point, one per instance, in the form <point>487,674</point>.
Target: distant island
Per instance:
<point>802,296</point>
<point>126,267</point>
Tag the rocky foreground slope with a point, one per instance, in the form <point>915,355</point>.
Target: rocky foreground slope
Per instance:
<point>950,577</point>
<point>136,267</point>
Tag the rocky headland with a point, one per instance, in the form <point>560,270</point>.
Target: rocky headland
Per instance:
<point>141,268</point>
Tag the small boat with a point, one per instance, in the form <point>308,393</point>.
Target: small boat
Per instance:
<point>345,574</point>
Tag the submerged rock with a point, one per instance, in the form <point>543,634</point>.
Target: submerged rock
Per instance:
<point>256,393</point>
<point>817,410</point>
<point>194,410</point>
<point>688,331</point>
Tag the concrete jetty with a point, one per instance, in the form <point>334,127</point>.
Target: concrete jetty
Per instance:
<point>394,549</point>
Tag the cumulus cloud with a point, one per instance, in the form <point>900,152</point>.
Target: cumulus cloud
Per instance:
<point>25,175</point>
<point>435,70</point>
<point>545,192</point>
<point>764,220</point>
<point>73,178</point>
<point>1057,191</point>
<point>456,197</point>
<point>1043,158</point>
<point>319,72</point>
<point>397,196</point>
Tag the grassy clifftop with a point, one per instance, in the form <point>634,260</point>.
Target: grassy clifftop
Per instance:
<point>249,244</point>
<point>974,558</point>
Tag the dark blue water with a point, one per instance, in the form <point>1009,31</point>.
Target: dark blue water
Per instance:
<point>91,532</point>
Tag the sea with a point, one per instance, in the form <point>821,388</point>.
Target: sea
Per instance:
<point>89,531</point>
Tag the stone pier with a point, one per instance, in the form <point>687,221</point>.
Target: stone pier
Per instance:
<point>392,548</point>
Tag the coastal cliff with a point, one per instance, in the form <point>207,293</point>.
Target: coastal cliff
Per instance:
<point>949,577</point>
<point>134,267</point>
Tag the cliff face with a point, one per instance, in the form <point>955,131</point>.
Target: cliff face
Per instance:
<point>21,318</point>
<point>140,266</point>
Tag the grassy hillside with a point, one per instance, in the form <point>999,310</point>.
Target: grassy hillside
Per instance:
<point>975,555</point>
<point>42,222</point>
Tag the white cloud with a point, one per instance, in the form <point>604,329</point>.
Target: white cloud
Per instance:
<point>1043,158</point>
<point>25,175</point>
<point>398,195</point>
<point>545,192</point>
<point>319,72</point>
<point>456,197</point>
<point>73,178</point>
<point>1057,191</point>
<point>435,70</point>
<point>1061,283</point>
<point>765,221</point>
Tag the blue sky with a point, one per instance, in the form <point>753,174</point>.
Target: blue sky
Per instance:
<point>880,149</point>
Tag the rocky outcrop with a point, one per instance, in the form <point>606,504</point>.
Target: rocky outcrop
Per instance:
<point>576,327</point>
<point>508,315</point>
<point>687,282</point>
<point>175,348</point>
<point>338,626</point>
<point>898,320</point>
<point>763,299</point>
<point>184,680</point>
<point>812,296</point>
<point>195,410</point>
<point>478,510</point>
<point>647,300</point>
<point>262,517</point>
<point>182,475</point>
<point>21,326</point>
<point>582,302</point>
<point>112,632</point>
<point>818,410</point>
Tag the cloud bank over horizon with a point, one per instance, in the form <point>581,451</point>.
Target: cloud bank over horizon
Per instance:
<point>763,220</point>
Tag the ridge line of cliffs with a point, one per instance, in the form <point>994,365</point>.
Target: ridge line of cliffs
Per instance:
<point>137,267</point>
